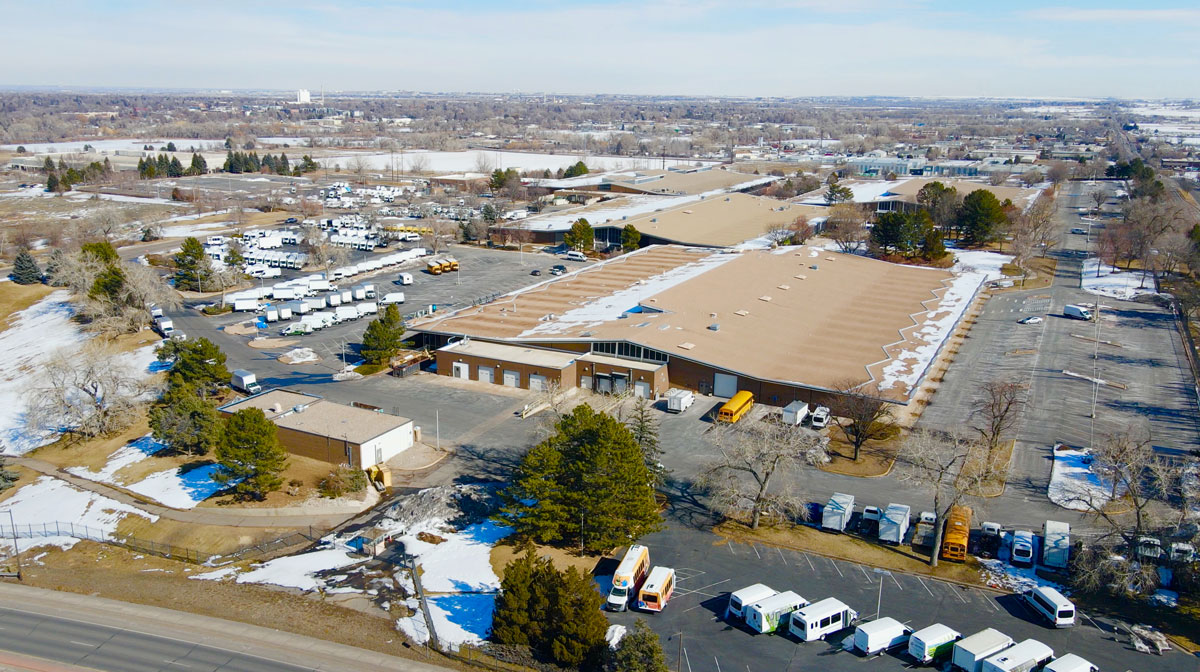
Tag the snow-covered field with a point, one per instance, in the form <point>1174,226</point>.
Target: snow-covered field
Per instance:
<point>171,487</point>
<point>298,571</point>
<point>1073,484</point>
<point>473,160</point>
<point>1117,284</point>
<point>973,268</point>
<point>185,230</point>
<point>128,144</point>
<point>49,501</point>
<point>31,338</point>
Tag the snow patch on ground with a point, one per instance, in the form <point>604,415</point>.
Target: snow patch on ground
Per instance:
<point>299,571</point>
<point>51,507</point>
<point>1073,484</point>
<point>461,563</point>
<point>33,335</point>
<point>1165,598</point>
<point>131,453</point>
<point>614,635</point>
<point>1000,574</point>
<point>299,356</point>
<point>972,269</point>
<point>1117,284</point>
<point>186,230</point>
<point>217,575</point>
<point>172,487</point>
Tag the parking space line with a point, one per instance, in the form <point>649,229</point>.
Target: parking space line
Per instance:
<point>697,590</point>
<point>926,587</point>
<point>987,600</point>
<point>839,569</point>
<point>785,562</point>
<point>894,580</point>
<point>960,597</point>
<point>810,565</point>
<point>688,660</point>
<point>730,547</point>
<point>864,573</point>
<point>718,663</point>
<point>755,547</point>
<point>1094,624</point>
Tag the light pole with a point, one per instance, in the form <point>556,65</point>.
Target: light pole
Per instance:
<point>16,551</point>
<point>879,598</point>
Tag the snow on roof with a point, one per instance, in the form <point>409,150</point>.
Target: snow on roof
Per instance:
<point>864,192</point>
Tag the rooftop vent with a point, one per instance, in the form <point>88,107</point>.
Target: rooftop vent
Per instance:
<point>277,408</point>
<point>784,287</point>
<point>742,313</point>
<point>714,327</point>
<point>829,258</point>
<point>687,346</point>
<point>815,267</point>
<point>764,298</point>
<point>800,277</point>
<point>712,316</point>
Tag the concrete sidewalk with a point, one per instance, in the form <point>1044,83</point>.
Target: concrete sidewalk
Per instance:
<point>206,516</point>
<point>252,640</point>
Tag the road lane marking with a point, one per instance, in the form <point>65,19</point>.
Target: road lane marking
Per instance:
<point>785,562</point>
<point>718,663</point>
<point>730,547</point>
<point>926,587</point>
<point>84,644</point>
<point>175,662</point>
<point>755,547</point>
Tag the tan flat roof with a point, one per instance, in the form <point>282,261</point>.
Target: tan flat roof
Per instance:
<point>1018,195</point>
<point>598,358</point>
<point>320,417</point>
<point>518,354</point>
<point>675,182</point>
<point>776,317</point>
<point>722,221</point>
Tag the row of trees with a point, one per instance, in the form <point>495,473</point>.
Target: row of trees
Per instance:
<point>911,234</point>
<point>62,178</point>
<point>239,162</point>
<point>112,295</point>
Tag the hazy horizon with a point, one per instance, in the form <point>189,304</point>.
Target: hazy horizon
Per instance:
<point>757,48</point>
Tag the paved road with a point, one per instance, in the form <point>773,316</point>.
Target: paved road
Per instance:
<point>79,630</point>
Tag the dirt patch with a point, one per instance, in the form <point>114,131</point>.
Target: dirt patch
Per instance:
<point>851,549</point>
<point>211,539</point>
<point>95,569</point>
<point>1041,274</point>
<point>24,477</point>
<point>15,298</point>
<point>306,470</point>
<point>91,454</point>
<point>242,329</point>
<point>505,551</point>
<point>271,343</point>
<point>874,460</point>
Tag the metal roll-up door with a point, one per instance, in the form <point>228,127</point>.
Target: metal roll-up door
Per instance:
<point>537,383</point>
<point>724,385</point>
<point>604,383</point>
<point>487,374</point>
<point>512,378</point>
<point>641,389</point>
<point>620,383</point>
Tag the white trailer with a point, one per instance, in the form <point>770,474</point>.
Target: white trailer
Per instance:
<point>285,312</point>
<point>932,642</point>
<point>881,635</point>
<point>405,278</point>
<point>334,300</point>
<point>739,600</point>
<point>1023,657</point>
<point>319,285</point>
<point>283,293</point>
<point>769,614</point>
<point>347,295</point>
<point>345,313</point>
<point>358,292</point>
<point>836,514</point>
<point>315,302</point>
<point>368,308</point>
<point>795,413</point>
<point>678,400</point>
<point>271,314</point>
<point>815,621</point>
<point>893,524</point>
<point>970,653</point>
<point>245,305</point>
<point>298,307</point>
<point>1056,544</point>
<point>1069,663</point>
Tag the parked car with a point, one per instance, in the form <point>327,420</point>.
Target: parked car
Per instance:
<point>290,220</point>
<point>558,269</point>
<point>535,272</point>
<point>820,417</point>
<point>1079,230</point>
<point>1032,319</point>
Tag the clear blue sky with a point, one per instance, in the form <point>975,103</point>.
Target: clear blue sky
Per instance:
<point>970,48</point>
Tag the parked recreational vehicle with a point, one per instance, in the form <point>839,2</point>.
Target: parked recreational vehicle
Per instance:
<point>679,400</point>
<point>957,534</point>
<point>932,643</point>
<point>1056,544</point>
<point>815,621</point>
<point>969,653</point>
<point>836,514</point>
<point>1023,657</point>
<point>656,591</point>
<point>738,406</point>
<point>1052,606</point>
<point>893,524</point>
<point>739,600</point>
<point>881,634</point>
<point>628,577</point>
<point>769,614</point>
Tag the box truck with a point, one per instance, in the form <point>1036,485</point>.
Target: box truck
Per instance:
<point>245,305</point>
<point>819,619</point>
<point>244,381</point>
<point>739,600</point>
<point>630,575</point>
<point>368,308</point>
<point>1056,544</point>
<point>297,307</point>
<point>1022,657</point>
<point>880,635</point>
<point>333,300</point>
<point>283,293</point>
<point>285,312</point>
<point>271,314</point>
<point>893,524</point>
<point>404,279</point>
<point>358,292</point>
<point>769,614</point>
<point>165,327</point>
<point>346,313</point>
<point>932,643</point>
<point>678,400</point>
<point>1077,312</point>
<point>795,413</point>
<point>836,514</point>
<point>969,653</point>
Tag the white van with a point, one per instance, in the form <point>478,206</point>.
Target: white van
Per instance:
<point>1023,657</point>
<point>1052,606</point>
<point>575,255</point>
<point>881,634</point>
<point>392,297</point>
<point>1022,548</point>
<point>1077,312</point>
<point>819,619</point>
<point>932,642</point>
<point>1069,663</point>
<point>769,614</point>
<point>740,599</point>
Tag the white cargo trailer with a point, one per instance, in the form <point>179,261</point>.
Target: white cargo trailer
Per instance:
<point>1056,544</point>
<point>795,413</point>
<point>769,614</point>
<point>346,313</point>
<point>970,653</point>
<point>285,312</point>
<point>881,635</point>
<point>678,400</point>
<point>893,524</point>
<point>271,314</point>
<point>334,300</point>
<point>836,514</point>
<point>245,305</point>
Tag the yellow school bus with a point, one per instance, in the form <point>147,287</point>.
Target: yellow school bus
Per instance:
<point>449,264</point>
<point>735,408</point>
<point>434,267</point>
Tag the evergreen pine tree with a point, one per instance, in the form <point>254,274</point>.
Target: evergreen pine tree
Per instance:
<point>249,456</point>
<point>512,615</point>
<point>162,165</point>
<point>25,269</point>
<point>644,428</point>
<point>199,164</point>
<point>52,183</point>
<point>543,594</point>
<point>52,265</point>
<point>192,266</point>
<point>383,337</point>
<point>171,147</point>
<point>282,164</point>
<point>48,165</point>
<point>199,362</point>
<point>184,421</point>
<point>175,169</point>
<point>631,238</point>
<point>579,641</point>
<point>640,651</point>
<point>7,478</point>
<point>229,165</point>
<point>980,218</point>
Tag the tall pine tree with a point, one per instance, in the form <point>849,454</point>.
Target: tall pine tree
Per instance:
<point>383,337</point>
<point>579,641</point>
<point>513,615</point>
<point>249,457</point>
<point>644,428</point>
<point>25,269</point>
<point>640,651</point>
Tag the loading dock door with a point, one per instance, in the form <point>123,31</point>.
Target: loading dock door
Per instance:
<point>585,382</point>
<point>537,383</point>
<point>620,383</point>
<point>512,378</point>
<point>641,389</point>
<point>724,385</point>
<point>460,370</point>
<point>487,374</point>
<point>604,383</point>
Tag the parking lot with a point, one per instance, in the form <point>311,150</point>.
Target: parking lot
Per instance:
<point>696,638</point>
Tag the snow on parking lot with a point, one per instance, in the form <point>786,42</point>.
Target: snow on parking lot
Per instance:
<point>1117,284</point>
<point>50,507</point>
<point>1073,483</point>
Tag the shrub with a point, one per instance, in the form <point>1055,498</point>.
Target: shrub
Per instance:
<point>342,481</point>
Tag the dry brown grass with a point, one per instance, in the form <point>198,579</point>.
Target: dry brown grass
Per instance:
<point>15,298</point>
<point>977,460</point>
<point>24,477</point>
<point>213,539</point>
<point>851,549</point>
<point>304,469</point>
<point>505,551</point>
<point>91,454</point>
<point>874,460</point>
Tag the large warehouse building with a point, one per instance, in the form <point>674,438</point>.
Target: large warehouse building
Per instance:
<point>794,323</point>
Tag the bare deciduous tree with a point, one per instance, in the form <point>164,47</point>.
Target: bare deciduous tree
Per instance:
<point>89,392</point>
<point>996,411</point>
<point>752,454</point>
<point>1099,197</point>
<point>997,178</point>
<point>846,226</point>
<point>417,163</point>
<point>863,414</point>
<point>934,461</point>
